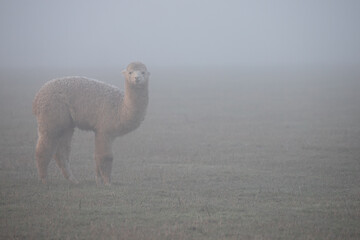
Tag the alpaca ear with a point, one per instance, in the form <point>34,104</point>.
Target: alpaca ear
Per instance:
<point>124,72</point>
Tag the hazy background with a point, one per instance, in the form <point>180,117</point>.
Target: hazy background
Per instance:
<point>267,148</point>
<point>88,33</point>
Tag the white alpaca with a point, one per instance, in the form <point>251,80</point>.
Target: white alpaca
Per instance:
<point>65,103</point>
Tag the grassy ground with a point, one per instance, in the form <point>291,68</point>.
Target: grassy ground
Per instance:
<point>222,155</point>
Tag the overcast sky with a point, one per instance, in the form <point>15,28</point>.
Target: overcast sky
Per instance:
<point>47,33</point>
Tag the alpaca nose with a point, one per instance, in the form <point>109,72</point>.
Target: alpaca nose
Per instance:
<point>137,79</point>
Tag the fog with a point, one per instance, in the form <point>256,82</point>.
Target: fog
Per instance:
<point>252,129</point>
<point>111,33</point>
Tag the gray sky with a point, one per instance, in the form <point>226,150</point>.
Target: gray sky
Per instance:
<point>68,33</point>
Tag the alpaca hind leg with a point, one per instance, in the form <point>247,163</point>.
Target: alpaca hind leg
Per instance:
<point>44,150</point>
<point>62,155</point>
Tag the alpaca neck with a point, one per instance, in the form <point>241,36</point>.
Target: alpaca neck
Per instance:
<point>134,106</point>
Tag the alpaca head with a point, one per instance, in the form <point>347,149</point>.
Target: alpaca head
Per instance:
<point>136,74</point>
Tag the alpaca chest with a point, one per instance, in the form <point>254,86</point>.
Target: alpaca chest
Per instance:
<point>130,123</point>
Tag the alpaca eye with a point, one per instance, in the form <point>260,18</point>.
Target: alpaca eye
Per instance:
<point>130,73</point>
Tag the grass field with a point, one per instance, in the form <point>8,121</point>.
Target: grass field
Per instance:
<point>222,154</point>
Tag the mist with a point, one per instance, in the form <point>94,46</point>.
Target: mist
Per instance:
<point>112,33</point>
<point>252,129</point>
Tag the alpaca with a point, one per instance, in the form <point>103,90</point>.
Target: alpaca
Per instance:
<point>65,103</point>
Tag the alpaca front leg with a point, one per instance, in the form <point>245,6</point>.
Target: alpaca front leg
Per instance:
<point>98,172</point>
<point>103,170</point>
<point>103,158</point>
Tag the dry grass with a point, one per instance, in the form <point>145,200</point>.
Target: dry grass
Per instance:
<point>221,155</point>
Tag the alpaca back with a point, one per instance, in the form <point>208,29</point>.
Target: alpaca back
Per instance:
<point>89,103</point>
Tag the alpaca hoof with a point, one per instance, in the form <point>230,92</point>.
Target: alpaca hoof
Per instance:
<point>43,181</point>
<point>98,181</point>
<point>73,180</point>
<point>107,181</point>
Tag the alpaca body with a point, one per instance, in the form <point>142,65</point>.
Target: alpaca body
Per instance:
<point>87,104</point>
<point>65,103</point>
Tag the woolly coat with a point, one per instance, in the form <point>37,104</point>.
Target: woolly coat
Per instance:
<point>89,105</point>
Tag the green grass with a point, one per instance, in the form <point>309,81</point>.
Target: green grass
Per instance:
<point>256,156</point>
